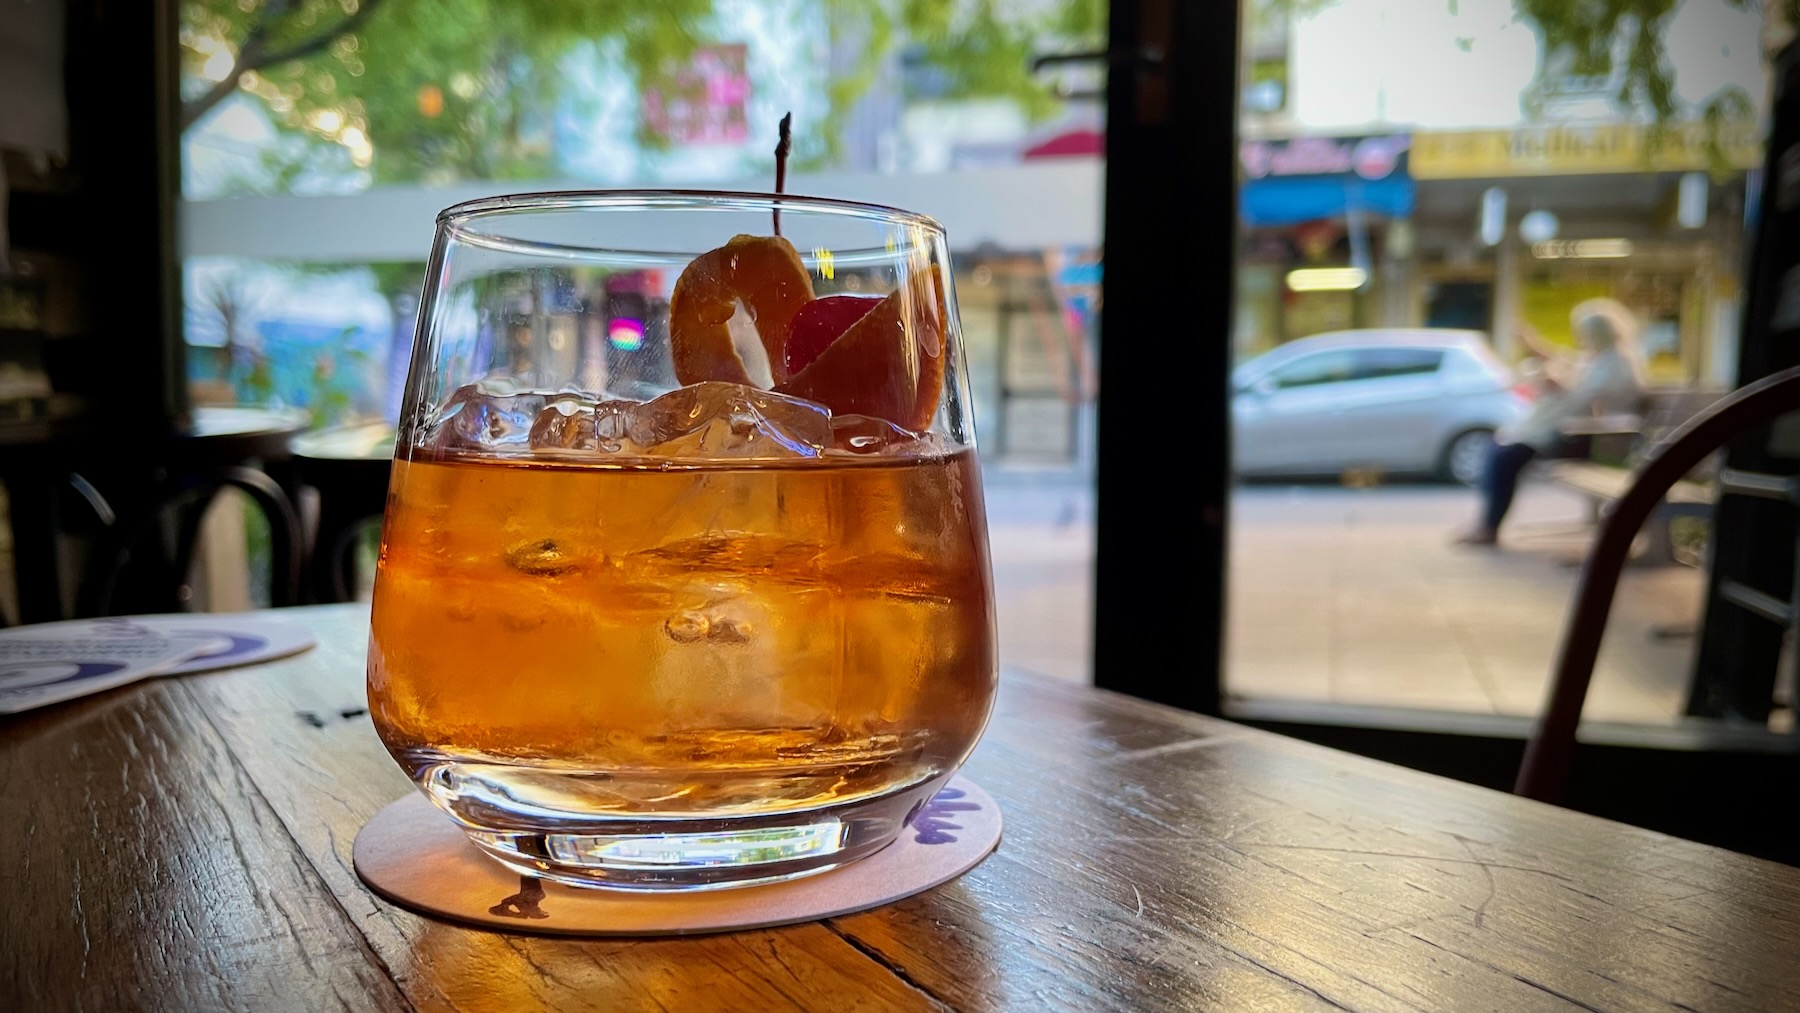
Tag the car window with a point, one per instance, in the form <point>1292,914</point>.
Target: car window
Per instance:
<point>1312,370</point>
<point>1377,363</point>
<point>1473,363</point>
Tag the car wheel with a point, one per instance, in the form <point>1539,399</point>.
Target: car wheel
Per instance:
<point>1465,456</point>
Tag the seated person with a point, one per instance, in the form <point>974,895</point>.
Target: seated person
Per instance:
<point>1607,377</point>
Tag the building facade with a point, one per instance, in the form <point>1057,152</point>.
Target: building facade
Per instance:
<point>1409,163</point>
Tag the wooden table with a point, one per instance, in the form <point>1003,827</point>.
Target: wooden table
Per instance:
<point>185,844</point>
<point>349,467</point>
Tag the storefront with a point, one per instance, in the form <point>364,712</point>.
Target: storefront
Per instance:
<point>1029,328</point>
<point>1535,220</point>
<point>1318,215</point>
<point>1493,229</point>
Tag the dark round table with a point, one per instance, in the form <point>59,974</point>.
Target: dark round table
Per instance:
<point>349,466</point>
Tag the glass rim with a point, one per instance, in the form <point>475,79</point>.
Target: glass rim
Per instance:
<point>501,205</point>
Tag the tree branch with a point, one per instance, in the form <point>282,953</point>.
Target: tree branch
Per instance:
<point>252,56</point>
<point>192,111</point>
<point>300,50</point>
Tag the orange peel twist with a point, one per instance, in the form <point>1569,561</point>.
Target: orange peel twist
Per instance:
<point>764,275</point>
<point>889,364</point>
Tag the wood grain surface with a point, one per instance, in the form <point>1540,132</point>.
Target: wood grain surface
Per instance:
<point>185,844</point>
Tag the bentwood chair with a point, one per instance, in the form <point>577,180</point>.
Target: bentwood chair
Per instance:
<point>1545,771</point>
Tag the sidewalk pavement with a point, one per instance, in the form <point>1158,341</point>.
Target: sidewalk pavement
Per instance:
<point>1356,596</point>
<point>1041,533</point>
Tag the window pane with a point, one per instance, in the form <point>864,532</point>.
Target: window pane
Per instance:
<point>310,191</point>
<point>1470,179</point>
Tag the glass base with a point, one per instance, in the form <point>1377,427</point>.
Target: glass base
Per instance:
<point>670,853</point>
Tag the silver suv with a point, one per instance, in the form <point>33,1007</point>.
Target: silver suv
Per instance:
<point>1421,401</point>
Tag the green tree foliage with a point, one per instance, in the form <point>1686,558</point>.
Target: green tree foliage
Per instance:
<point>985,47</point>
<point>459,89</point>
<point>439,90</point>
<point>1584,37</point>
<point>446,89</point>
<point>975,48</point>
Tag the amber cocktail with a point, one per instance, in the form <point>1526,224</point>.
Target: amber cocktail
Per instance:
<point>706,602</point>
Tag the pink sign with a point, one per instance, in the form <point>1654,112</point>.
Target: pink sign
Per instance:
<point>704,102</point>
<point>1368,157</point>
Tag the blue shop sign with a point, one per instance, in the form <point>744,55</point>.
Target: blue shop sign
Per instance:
<point>1304,178</point>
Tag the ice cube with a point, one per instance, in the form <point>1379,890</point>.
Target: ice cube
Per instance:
<point>544,557</point>
<point>690,627</point>
<point>578,423</point>
<point>687,627</point>
<point>565,423</point>
<point>729,421</point>
<point>485,416</point>
<point>865,436</point>
<point>726,630</point>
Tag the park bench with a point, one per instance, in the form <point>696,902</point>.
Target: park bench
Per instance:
<point>1609,449</point>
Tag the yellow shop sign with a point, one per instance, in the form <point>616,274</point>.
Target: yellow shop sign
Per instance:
<point>1563,150</point>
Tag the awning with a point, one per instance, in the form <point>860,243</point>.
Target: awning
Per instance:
<point>1301,199</point>
<point>1075,142</point>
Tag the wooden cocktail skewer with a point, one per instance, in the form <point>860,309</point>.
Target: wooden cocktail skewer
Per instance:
<point>783,145</point>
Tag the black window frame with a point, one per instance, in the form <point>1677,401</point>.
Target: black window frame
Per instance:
<point>1171,234</point>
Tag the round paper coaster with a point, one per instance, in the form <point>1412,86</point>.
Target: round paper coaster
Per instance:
<point>412,854</point>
